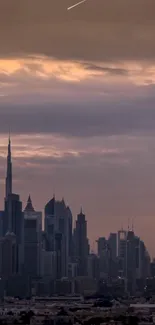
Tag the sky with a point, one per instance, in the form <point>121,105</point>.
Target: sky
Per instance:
<point>77,90</point>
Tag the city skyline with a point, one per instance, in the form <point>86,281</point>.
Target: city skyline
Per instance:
<point>61,251</point>
<point>77,90</point>
<point>9,190</point>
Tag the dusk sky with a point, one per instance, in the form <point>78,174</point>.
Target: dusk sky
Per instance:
<point>77,89</point>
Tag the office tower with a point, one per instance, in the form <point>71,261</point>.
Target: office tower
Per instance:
<point>113,264</point>
<point>104,258</point>
<point>81,244</point>
<point>58,230</point>
<point>32,240</point>
<point>48,263</point>
<point>138,248</point>
<point>131,262</point>
<point>101,245</point>
<point>59,255</point>
<point>50,224</point>
<point>8,258</point>
<point>144,261</point>
<point>15,224</point>
<point>63,227</point>
<point>93,266</point>
<point>70,235</point>
<point>122,246</point>
<point>112,243</point>
<point>13,219</point>
<point>1,223</point>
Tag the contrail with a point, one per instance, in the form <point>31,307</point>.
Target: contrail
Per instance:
<point>77,4</point>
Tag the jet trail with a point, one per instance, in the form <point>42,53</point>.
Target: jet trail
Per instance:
<point>77,4</point>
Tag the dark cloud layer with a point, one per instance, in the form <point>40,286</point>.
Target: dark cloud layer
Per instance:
<point>111,29</point>
<point>81,119</point>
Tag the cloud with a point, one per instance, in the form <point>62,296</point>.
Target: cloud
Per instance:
<point>41,74</point>
<point>81,119</point>
<point>96,31</point>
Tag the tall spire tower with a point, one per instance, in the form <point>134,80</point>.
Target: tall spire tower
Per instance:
<point>8,184</point>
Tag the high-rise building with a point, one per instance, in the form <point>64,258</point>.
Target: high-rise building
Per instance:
<point>70,235</point>
<point>112,243</point>
<point>81,244</point>
<point>13,219</point>
<point>32,240</point>
<point>7,222</point>
<point>1,223</point>
<point>104,258</point>
<point>58,231</point>
<point>8,261</point>
<point>101,245</point>
<point>50,224</point>
<point>93,266</point>
<point>144,261</point>
<point>8,188</point>
<point>122,246</point>
<point>14,222</point>
<point>131,261</point>
<point>113,262</point>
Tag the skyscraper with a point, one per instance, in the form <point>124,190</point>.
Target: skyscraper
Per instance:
<point>113,265</point>
<point>122,247</point>
<point>81,244</point>
<point>32,240</point>
<point>112,243</point>
<point>131,261</point>
<point>50,224</point>
<point>8,188</point>
<point>8,191</point>
<point>104,257</point>
<point>101,245</point>
<point>13,220</point>
<point>58,230</point>
<point>8,255</point>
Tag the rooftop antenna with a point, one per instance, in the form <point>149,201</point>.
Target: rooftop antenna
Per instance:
<point>133,224</point>
<point>128,224</point>
<point>54,192</point>
<point>9,133</point>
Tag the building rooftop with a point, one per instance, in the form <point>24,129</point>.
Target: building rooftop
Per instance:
<point>29,207</point>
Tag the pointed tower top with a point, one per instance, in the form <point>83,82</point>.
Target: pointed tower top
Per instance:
<point>8,185</point>
<point>133,224</point>
<point>63,201</point>
<point>9,135</point>
<point>29,207</point>
<point>81,210</point>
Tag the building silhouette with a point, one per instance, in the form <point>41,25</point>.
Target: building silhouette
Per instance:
<point>13,218</point>
<point>81,244</point>
<point>58,234</point>
<point>8,262</point>
<point>32,240</point>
